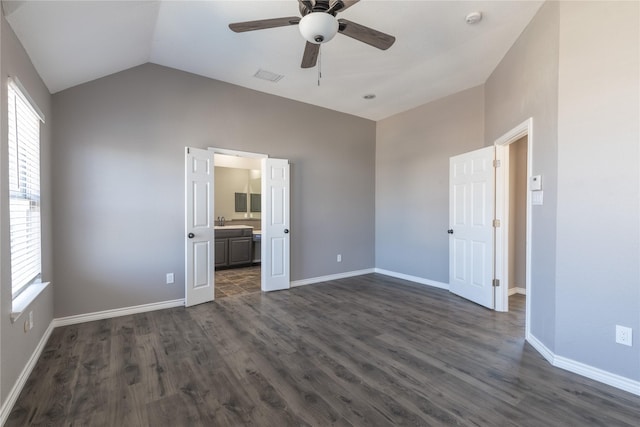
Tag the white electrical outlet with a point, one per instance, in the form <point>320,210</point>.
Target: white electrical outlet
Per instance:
<point>624,335</point>
<point>170,278</point>
<point>339,258</point>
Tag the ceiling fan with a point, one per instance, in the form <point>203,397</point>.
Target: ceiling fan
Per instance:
<point>319,25</point>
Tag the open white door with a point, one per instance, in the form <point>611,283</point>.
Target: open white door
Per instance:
<point>275,225</point>
<point>199,230</point>
<point>471,214</point>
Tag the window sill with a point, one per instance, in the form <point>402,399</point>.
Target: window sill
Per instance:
<point>22,302</point>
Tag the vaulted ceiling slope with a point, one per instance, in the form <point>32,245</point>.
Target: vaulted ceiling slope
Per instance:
<point>436,52</point>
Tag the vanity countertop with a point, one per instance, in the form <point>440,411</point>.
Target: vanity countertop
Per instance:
<point>231,227</point>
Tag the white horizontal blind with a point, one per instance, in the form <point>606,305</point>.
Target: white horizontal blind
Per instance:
<point>24,191</point>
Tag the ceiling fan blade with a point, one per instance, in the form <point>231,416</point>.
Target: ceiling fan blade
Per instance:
<point>366,35</point>
<point>262,24</point>
<point>340,5</point>
<point>310,56</point>
<point>306,6</point>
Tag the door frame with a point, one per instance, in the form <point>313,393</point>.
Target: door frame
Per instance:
<point>502,214</point>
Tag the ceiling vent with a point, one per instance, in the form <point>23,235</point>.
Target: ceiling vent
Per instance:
<point>268,75</point>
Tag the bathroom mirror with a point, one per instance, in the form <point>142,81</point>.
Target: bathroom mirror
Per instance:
<point>241,202</point>
<point>255,202</point>
<point>237,192</point>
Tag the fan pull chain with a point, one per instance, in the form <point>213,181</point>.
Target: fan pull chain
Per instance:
<point>319,65</point>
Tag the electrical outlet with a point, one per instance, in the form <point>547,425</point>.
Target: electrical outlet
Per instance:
<point>170,278</point>
<point>30,320</point>
<point>339,258</point>
<point>624,335</point>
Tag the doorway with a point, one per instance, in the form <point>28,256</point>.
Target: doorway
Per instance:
<point>490,222</point>
<point>237,213</point>
<point>514,213</point>
<point>204,248</point>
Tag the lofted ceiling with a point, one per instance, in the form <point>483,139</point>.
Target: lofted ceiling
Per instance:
<point>436,52</point>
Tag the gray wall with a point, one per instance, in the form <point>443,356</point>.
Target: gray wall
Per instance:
<point>412,181</point>
<point>119,181</point>
<point>16,347</point>
<point>523,85</point>
<point>598,253</point>
<point>574,70</point>
<point>518,213</point>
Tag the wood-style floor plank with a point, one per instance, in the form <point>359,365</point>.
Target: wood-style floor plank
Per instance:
<point>364,351</point>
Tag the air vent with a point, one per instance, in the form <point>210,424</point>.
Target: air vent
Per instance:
<point>268,75</point>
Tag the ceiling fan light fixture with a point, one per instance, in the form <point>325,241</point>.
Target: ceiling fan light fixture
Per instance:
<point>318,27</point>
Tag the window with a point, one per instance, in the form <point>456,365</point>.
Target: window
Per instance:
<point>24,189</point>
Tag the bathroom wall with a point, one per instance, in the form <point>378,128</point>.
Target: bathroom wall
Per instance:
<point>229,181</point>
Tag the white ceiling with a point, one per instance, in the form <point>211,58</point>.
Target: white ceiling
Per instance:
<point>436,53</point>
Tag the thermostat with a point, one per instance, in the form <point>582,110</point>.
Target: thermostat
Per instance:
<point>535,183</point>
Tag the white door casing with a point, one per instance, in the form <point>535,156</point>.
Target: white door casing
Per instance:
<point>471,214</point>
<point>275,225</point>
<point>199,227</point>
<point>502,213</point>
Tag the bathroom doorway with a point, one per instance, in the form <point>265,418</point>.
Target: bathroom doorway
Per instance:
<point>233,243</point>
<point>238,234</point>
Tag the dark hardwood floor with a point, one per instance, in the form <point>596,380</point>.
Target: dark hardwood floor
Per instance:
<point>364,351</point>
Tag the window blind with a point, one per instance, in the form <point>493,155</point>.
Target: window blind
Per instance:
<point>24,190</point>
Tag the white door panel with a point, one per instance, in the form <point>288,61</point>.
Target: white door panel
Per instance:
<point>275,225</point>
<point>199,230</point>
<point>471,213</point>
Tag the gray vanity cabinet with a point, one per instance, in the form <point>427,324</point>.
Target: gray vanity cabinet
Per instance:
<point>221,252</point>
<point>233,247</point>
<point>240,251</point>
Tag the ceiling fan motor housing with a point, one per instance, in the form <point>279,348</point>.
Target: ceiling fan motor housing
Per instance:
<point>318,27</point>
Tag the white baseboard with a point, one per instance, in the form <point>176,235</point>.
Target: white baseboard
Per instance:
<point>541,348</point>
<point>320,279</point>
<point>596,374</point>
<point>108,314</point>
<point>517,290</point>
<point>414,279</point>
<point>24,375</point>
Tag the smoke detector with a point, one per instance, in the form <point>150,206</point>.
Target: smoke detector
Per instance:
<point>473,18</point>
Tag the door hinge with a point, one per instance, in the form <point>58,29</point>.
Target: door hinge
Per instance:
<point>496,283</point>
<point>496,163</point>
<point>496,223</point>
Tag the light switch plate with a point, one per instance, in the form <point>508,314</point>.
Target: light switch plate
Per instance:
<point>537,197</point>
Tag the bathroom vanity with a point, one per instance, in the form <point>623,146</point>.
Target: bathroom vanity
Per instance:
<point>234,246</point>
